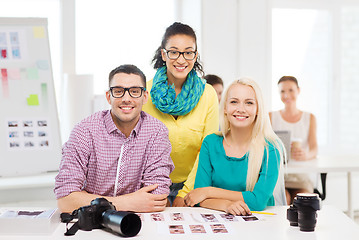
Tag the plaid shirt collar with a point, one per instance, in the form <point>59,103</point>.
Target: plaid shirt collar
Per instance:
<point>111,127</point>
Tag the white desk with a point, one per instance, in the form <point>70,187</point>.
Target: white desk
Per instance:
<point>327,164</point>
<point>331,224</point>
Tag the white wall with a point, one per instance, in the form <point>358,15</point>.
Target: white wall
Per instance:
<point>235,42</point>
<point>219,38</point>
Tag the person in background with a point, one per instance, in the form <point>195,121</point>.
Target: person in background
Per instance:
<point>182,101</point>
<point>238,168</point>
<point>122,154</point>
<point>217,84</point>
<point>302,126</point>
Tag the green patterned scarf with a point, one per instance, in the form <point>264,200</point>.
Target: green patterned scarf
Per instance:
<point>164,96</point>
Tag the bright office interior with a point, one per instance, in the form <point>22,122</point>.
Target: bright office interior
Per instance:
<point>315,40</point>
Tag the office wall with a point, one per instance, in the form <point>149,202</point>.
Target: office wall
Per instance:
<point>234,40</point>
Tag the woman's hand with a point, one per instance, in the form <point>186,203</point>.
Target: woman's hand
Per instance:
<point>238,208</point>
<point>178,202</point>
<point>299,154</point>
<point>196,196</point>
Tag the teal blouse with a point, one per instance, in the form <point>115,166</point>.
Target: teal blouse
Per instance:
<point>216,169</point>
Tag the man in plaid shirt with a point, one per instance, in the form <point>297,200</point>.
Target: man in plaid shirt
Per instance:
<point>122,154</point>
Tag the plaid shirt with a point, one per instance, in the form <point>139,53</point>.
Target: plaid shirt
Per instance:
<point>90,157</point>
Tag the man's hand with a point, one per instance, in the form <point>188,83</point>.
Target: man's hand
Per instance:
<point>196,196</point>
<point>144,201</point>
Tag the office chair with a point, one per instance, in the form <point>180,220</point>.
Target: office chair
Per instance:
<point>279,190</point>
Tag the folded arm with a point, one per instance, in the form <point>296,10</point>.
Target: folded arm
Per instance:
<point>159,164</point>
<point>200,194</point>
<point>139,201</point>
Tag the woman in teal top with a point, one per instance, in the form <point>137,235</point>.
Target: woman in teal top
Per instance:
<point>238,168</point>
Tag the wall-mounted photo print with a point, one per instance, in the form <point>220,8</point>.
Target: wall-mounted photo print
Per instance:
<point>29,144</point>
<point>14,38</point>
<point>3,40</point>
<point>14,144</point>
<point>12,124</point>
<point>42,123</point>
<point>44,143</point>
<point>15,50</point>
<point>13,134</point>
<point>28,134</point>
<point>42,134</point>
<point>3,53</point>
<point>27,124</point>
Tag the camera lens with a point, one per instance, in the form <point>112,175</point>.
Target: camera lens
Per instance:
<point>307,205</point>
<point>124,223</point>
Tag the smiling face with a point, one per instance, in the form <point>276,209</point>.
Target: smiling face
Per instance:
<point>126,110</point>
<point>289,92</point>
<point>178,69</point>
<point>241,106</point>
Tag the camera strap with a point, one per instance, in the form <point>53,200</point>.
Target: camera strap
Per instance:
<point>72,230</point>
<point>67,218</point>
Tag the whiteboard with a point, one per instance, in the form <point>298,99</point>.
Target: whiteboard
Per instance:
<point>29,128</point>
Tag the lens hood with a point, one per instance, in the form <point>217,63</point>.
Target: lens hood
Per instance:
<point>307,200</point>
<point>126,224</point>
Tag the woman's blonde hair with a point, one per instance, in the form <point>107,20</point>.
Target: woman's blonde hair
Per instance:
<point>261,133</point>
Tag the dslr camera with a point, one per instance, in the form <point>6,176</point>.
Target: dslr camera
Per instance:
<point>303,211</point>
<point>102,214</point>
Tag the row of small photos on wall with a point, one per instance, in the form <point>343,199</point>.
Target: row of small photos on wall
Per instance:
<point>28,134</point>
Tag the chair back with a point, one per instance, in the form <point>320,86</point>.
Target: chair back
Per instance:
<point>279,190</point>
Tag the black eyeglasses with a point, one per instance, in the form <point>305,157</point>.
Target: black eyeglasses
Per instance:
<point>173,54</point>
<point>135,92</point>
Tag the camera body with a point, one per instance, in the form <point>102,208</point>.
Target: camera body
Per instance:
<point>303,211</point>
<point>90,217</point>
<point>102,214</point>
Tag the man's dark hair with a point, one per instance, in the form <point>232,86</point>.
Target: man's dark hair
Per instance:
<point>288,78</point>
<point>176,28</point>
<point>213,79</point>
<point>128,69</point>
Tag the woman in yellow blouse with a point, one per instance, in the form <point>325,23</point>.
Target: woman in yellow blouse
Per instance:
<point>182,101</point>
